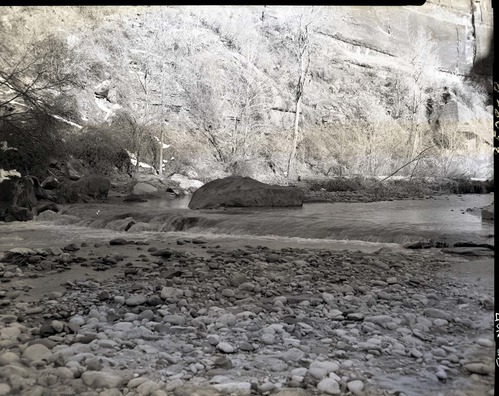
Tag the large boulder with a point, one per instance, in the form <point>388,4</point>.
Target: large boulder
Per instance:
<point>17,199</point>
<point>185,183</point>
<point>488,212</point>
<point>88,187</point>
<point>236,191</point>
<point>144,189</point>
<point>17,191</point>
<point>50,183</point>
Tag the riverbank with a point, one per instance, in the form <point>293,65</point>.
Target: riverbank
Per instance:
<point>361,189</point>
<point>138,315</point>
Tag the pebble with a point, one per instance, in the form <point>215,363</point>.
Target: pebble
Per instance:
<point>5,389</point>
<point>213,339</point>
<point>236,388</point>
<point>135,300</point>
<point>225,347</point>
<point>479,368</point>
<point>101,379</point>
<point>228,293</point>
<point>8,358</point>
<point>268,339</point>
<point>329,386</point>
<point>171,292</point>
<point>57,325</point>
<point>356,387</point>
<point>437,314</point>
<point>285,320</point>
<point>485,342</point>
<point>174,319</point>
<point>37,352</point>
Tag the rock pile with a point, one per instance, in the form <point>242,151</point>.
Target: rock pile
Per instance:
<point>195,319</point>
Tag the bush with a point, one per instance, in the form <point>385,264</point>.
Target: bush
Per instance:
<point>100,150</point>
<point>339,184</point>
<point>37,139</point>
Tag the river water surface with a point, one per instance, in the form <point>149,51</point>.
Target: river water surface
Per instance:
<point>441,218</point>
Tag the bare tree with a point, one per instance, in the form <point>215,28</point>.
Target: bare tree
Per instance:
<point>303,54</point>
<point>424,62</point>
<point>33,79</point>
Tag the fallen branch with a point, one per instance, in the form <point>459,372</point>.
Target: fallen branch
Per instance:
<point>416,158</point>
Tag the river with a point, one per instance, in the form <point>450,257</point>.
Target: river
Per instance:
<point>441,218</point>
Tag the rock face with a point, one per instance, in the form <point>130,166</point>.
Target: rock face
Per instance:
<point>488,212</point>
<point>235,191</point>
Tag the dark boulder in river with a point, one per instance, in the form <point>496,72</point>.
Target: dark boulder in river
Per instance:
<point>488,212</point>
<point>236,191</point>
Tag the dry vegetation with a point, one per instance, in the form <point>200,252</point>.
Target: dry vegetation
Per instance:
<point>257,91</point>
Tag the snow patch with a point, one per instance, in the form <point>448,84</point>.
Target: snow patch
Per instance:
<point>165,146</point>
<point>5,175</point>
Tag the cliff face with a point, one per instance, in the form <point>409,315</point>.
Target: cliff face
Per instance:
<point>462,30</point>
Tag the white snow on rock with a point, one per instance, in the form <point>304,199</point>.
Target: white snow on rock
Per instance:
<point>5,175</point>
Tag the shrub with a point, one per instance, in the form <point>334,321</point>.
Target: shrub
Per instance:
<point>100,150</point>
<point>36,137</point>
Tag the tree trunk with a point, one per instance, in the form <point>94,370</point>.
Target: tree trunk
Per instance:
<point>161,153</point>
<point>291,160</point>
<point>137,164</point>
<point>137,154</point>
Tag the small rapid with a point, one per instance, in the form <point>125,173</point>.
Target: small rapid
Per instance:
<point>443,219</point>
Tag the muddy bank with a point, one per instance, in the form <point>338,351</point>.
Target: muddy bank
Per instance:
<point>191,316</point>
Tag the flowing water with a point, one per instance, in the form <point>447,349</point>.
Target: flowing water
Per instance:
<point>441,218</point>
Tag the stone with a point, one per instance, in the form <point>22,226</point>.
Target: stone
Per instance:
<point>329,366</point>
<point>234,388</point>
<point>228,293</point>
<point>268,339</point>
<point>91,186</point>
<point>5,389</point>
<point>485,342</point>
<point>8,358</point>
<point>190,185</point>
<point>174,319</point>
<point>57,325</point>
<point>441,375</point>
<point>17,195</point>
<point>165,253</point>
<point>488,212</point>
<point>213,339</point>
<point>144,189</point>
<point>171,292</point>
<point>226,320</point>
<point>437,314</point>
<point>356,387</point>
<point>101,379</point>
<point>37,352</point>
<point>118,242</point>
<point>329,386</point>
<point>236,191</point>
<point>50,183</point>
<point>146,388</point>
<point>479,368</point>
<point>136,299</point>
<point>225,347</point>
